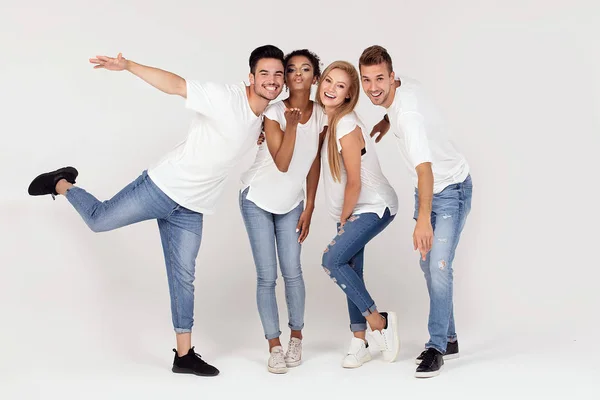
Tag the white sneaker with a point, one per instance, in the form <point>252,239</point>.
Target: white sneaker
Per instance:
<point>387,339</point>
<point>293,356</point>
<point>358,354</point>
<point>276,363</point>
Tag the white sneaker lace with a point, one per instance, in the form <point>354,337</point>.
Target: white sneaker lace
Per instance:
<point>277,357</point>
<point>293,351</point>
<point>381,340</point>
<point>385,341</point>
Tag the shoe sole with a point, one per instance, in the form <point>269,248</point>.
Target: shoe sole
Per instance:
<point>446,358</point>
<point>428,374</point>
<point>293,364</point>
<point>179,370</point>
<point>393,318</point>
<point>351,366</point>
<point>277,370</point>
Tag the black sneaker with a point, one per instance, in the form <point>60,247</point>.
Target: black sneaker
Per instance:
<point>431,365</point>
<point>192,363</point>
<point>451,352</point>
<point>46,183</point>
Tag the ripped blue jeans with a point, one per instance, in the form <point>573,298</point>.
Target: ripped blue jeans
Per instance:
<point>449,211</point>
<point>343,261</point>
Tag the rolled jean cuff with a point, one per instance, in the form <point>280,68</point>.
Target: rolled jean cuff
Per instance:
<point>358,327</point>
<point>296,328</point>
<point>432,346</point>
<point>370,310</point>
<point>182,330</point>
<point>273,335</point>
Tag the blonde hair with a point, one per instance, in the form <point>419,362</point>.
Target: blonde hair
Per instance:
<point>343,109</point>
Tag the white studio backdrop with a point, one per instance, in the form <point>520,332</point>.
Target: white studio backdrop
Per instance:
<point>518,82</point>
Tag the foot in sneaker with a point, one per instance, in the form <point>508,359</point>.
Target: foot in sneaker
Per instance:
<point>358,354</point>
<point>432,364</point>
<point>192,363</point>
<point>293,355</point>
<point>46,183</point>
<point>450,354</point>
<point>276,362</point>
<point>387,339</point>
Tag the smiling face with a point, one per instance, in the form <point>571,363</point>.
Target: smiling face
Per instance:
<point>267,82</point>
<point>299,73</point>
<point>334,88</point>
<point>377,83</point>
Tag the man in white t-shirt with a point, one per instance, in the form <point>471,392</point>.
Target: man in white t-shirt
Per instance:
<point>442,191</point>
<point>187,182</point>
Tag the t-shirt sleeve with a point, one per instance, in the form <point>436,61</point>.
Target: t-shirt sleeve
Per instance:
<point>412,125</point>
<point>202,96</point>
<point>323,119</point>
<point>275,112</point>
<point>345,126</point>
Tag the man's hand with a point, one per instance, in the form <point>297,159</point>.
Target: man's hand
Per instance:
<point>304,224</point>
<point>112,64</point>
<point>292,116</point>
<point>423,237</point>
<point>382,127</point>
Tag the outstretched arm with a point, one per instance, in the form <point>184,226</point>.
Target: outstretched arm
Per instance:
<point>164,81</point>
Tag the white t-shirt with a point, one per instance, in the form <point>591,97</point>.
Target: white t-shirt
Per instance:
<point>280,192</point>
<point>376,193</point>
<point>423,136</point>
<point>194,173</point>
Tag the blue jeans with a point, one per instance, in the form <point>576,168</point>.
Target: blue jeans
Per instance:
<point>266,232</point>
<point>449,212</point>
<point>343,261</point>
<point>180,232</point>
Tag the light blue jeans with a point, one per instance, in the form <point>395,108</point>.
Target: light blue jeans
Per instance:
<point>267,232</point>
<point>180,232</point>
<point>449,212</point>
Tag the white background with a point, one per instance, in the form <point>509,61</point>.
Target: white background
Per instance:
<point>87,315</point>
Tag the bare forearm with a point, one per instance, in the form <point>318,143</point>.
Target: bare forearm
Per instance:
<point>164,81</point>
<point>425,189</point>
<point>283,157</point>
<point>351,194</point>
<point>312,182</point>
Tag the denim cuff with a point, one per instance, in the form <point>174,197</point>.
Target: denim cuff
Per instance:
<point>358,327</point>
<point>370,310</point>
<point>272,335</point>
<point>296,328</point>
<point>182,330</point>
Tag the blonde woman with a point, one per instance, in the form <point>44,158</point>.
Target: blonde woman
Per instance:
<point>362,202</point>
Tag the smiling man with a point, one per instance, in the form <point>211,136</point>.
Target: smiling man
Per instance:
<point>187,182</point>
<point>443,190</point>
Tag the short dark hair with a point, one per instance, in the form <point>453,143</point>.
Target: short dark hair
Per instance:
<point>312,57</point>
<point>375,55</point>
<point>266,51</point>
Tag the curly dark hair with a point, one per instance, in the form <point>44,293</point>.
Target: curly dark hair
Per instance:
<point>312,57</point>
